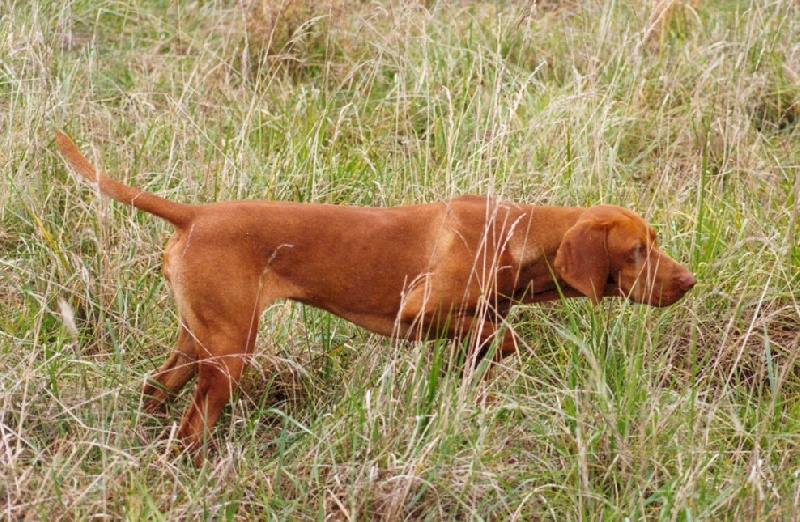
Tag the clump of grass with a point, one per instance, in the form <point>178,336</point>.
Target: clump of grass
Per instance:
<point>295,34</point>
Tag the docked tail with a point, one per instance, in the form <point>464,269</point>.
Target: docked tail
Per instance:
<point>176,213</point>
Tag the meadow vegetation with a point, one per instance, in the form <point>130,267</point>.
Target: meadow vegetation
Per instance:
<point>684,111</point>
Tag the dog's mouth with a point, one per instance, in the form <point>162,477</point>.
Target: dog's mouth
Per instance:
<point>654,294</point>
<point>651,296</point>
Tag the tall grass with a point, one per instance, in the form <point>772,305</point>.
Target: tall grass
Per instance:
<point>684,111</point>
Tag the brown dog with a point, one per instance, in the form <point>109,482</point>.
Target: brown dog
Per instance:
<point>442,270</point>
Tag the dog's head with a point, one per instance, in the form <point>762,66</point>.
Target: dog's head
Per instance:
<point>612,251</point>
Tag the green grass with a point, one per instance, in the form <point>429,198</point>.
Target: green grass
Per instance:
<point>689,116</point>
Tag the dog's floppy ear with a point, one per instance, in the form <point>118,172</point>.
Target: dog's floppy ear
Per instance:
<point>582,259</point>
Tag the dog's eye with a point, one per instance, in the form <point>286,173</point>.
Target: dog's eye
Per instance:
<point>637,253</point>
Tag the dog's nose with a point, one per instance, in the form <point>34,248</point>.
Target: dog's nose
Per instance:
<point>687,281</point>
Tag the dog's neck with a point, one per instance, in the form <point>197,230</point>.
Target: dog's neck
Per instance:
<point>534,251</point>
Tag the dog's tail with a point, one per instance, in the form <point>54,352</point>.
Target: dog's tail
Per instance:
<point>176,213</point>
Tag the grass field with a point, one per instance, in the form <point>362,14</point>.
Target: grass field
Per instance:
<point>687,112</point>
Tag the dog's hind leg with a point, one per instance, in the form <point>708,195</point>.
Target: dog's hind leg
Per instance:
<point>173,375</point>
<point>223,357</point>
